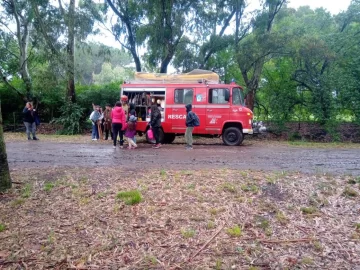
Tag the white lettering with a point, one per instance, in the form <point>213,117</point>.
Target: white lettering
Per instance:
<point>176,116</point>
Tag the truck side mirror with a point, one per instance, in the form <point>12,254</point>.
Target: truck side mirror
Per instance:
<point>227,95</point>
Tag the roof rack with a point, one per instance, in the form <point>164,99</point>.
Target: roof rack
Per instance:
<point>202,81</point>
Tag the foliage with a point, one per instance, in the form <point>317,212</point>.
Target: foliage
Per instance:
<point>130,197</point>
<point>71,118</point>
<point>234,231</point>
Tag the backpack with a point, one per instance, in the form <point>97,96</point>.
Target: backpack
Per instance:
<point>196,120</point>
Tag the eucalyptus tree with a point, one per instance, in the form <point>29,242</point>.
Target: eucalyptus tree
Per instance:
<point>16,45</point>
<point>130,16</point>
<point>255,46</point>
<point>60,24</point>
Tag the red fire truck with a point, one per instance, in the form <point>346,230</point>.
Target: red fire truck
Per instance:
<point>220,107</point>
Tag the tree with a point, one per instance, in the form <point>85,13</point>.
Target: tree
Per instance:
<point>5,179</point>
<point>254,50</point>
<point>130,16</point>
<point>20,13</point>
<point>55,23</point>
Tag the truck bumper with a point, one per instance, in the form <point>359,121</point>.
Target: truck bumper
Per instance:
<point>247,131</point>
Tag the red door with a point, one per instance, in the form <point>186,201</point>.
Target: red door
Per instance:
<point>217,109</point>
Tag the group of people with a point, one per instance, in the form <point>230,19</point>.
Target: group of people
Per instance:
<point>121,121</point>
<point>117,122</point>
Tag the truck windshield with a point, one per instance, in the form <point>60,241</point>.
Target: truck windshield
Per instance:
<point>237,96</point>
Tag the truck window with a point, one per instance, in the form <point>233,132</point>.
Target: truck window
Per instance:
<point>183,96</point>
<point>237,96</point>
<point>218,95</point>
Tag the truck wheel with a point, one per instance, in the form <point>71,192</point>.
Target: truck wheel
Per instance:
<point>232,136</point>
<point>169,138</point>
<point>161,137</point>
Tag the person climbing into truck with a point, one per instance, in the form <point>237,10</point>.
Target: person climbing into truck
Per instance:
<point>192,120</point>
<point>155,124</point>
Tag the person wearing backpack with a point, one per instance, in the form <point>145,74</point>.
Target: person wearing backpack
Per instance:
<point>192,120</point>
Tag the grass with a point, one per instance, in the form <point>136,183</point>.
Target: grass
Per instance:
<point>26,191</point>
<point>2,227</point>
<point>228,187</point>
<point>281,218</point>
<point>308,210</point>
<point>49,186</point>
<point>350,192</point>
<point>130,197</point>
<point>250,188</point>
<point>234,231</point>
<point>188,233</point>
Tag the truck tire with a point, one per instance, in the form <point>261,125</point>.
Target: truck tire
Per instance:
<point>161,137</point>
<point>169,138</point>
<point>232,136</point>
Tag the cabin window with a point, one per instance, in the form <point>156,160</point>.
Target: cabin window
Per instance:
<point>237,96</point>
<point>183,96</point>
<point>219,95</point>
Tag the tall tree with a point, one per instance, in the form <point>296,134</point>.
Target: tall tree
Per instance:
<point>19,13</point>
<point>129,18</point>
<point>65,20</point>
<point>254,50</point>
<point>5,179</point>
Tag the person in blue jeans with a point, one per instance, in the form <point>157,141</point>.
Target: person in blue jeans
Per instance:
<point>29,121</point>
<point>94,117</point>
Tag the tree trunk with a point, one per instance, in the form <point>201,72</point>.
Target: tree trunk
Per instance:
<point>70,53</point>
<point>5,179</point>
<point>23,27</point>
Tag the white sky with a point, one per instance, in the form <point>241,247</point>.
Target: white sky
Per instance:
<point>333,6</point>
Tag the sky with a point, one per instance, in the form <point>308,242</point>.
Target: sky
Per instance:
<point>333,6</point>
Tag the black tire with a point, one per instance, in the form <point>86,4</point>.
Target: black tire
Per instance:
<point>232,136</point>
<point>169,138</point>
<point>161,135</point>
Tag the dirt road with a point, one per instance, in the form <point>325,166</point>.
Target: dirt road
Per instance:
<point>249,156</point>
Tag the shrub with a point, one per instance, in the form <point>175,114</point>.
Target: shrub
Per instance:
<point>234,231</point>
<point>71,118</point>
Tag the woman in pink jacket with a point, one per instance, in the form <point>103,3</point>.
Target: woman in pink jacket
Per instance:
<point>118,122</point>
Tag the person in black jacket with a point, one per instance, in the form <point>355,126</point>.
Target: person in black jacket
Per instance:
<point>155,124</point>
<point>29,121</point>
<point>190,123</point>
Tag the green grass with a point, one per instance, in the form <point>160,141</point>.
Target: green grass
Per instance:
<point>49,186</point>
<point>2,227</point>
<point>26,191</point>
<point>350,192</point>
<point>234,231</point>
<point>308,210</point>
<point>130,197</point>
<point>228,187</point>
<point>189,233</point>
<point>250,188</point>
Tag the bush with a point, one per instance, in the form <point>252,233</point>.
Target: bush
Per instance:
<point>71,118</point>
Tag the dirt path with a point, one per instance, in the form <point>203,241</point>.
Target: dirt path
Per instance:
<point>250,156</point>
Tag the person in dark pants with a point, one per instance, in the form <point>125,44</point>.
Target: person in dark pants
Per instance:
<point>29,121</point>
<point>107,122</point>
<point>155,124</point>
<point>118,122</point>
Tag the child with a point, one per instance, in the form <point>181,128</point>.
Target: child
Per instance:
<point>131,132</point>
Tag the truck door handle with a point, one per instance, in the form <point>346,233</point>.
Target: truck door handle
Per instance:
<point>175,110</point>
<point>209,110</point>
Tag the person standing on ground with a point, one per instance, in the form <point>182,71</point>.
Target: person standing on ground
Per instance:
<point>107,122</point>
<point>29,121</point>
<point>190,124</point>
<point>155,124</point>
<point>94,117</point>
<point>118,122</point>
